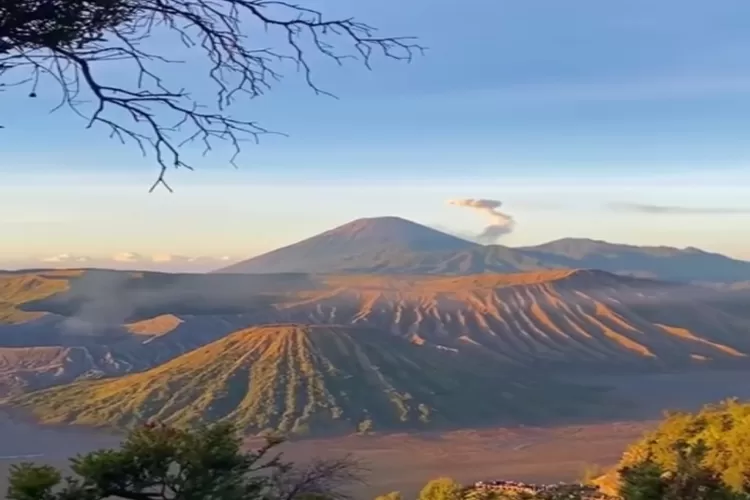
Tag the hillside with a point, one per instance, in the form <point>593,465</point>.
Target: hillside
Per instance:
<point>723,429</point>
<point>17,289</point>
<point>360,245</point>
<point>313,379</point>
<point>107,323</point>
<point>571,319</point>
<point>665,263</point>
<point>390,245</point>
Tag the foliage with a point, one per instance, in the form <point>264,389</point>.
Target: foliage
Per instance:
<point>591,472</point>
<point>442,488</point>
<point>689,479</point>
<point>719,433</point>
<point>393,495</point>
<point>74,43</point>
<point>158,462</point>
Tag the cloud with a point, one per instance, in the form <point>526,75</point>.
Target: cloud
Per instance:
<point>127,257</point>
<point>168,257</point>
<point>127,260</point>
<point>500,223</point>
<point>65,257</point>
<point>646,208</point>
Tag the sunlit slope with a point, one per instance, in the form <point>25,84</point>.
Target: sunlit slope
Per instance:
<point>313,379</point>
<point>571,319</point>
<point>62,357</point>
<point>17,289</point>
<point>558,317</point>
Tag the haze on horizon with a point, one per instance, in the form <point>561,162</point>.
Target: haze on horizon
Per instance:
<point>638,138</point>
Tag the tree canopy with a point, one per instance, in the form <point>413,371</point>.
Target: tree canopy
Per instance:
<point>442,488</point>
<point>720,432</point>
<point>72,43</point>
<point>157,462</point>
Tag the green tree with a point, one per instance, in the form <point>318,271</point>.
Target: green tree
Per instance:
<point>442,488</point>
<point>157,462</point>
<point>642,481</point>
<point>689,479</point>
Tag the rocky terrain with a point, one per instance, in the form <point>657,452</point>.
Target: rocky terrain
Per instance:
<point>325,353</point>
<point>420,351</point>
<point>324,379</point>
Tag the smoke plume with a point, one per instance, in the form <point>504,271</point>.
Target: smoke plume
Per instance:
<point>500,222</point>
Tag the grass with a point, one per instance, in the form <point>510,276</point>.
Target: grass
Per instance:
<point>17,289</point>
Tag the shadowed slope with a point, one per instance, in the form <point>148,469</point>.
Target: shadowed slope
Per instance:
<point>662,262</point>
<point>302,379</point>
<point>391,245</point>
<point>360,246</point>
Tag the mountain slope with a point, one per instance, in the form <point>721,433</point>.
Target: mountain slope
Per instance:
<point>21,288</point>
<point>363,244</point>
<point>390,245</point>
<point>590,320</point>
<point>113,323</point>
<point>666,263</point>
<point>302,379</point>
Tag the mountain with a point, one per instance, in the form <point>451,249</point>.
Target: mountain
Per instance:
<point>313,379</point>
<point>390,245</point>
<point>139,344</point>
<point>108,323</point>
<point>666,263</point>
<point>387,245</point>
<point>357,245</point>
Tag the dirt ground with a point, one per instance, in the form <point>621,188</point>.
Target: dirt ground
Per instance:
<point>406,462</point>
<point>394,462</point>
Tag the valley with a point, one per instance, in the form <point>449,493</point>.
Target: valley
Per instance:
<point>320,355</point>
<point>421,363</point>
<point>405,462</point>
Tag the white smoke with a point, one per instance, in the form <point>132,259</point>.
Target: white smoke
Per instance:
<point>500,222</point>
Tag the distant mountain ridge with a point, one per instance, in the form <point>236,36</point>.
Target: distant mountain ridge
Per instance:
<point>392,245</point>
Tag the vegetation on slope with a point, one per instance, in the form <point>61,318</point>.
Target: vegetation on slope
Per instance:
<point>305,379</point>
<point>723,430</point>
<point>17,289</point>
<point>700,456</point>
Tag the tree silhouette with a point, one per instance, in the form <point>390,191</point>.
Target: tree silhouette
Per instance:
<point>72,42</point>
<point>158,462</point>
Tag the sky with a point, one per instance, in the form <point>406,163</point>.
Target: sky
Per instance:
<point>621,121</point>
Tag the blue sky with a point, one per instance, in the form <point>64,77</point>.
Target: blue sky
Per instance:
<point>557,108</point>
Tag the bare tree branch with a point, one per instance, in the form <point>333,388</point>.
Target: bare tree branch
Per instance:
<point>320,478</point>
<point>71,43</point>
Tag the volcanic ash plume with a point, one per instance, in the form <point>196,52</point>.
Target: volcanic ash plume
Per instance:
<point>500,223</point>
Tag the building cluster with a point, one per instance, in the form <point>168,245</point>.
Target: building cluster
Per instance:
<point>516,487</point>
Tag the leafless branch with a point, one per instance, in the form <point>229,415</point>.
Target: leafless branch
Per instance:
<point>320,478</point>
<point>73,43</point>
